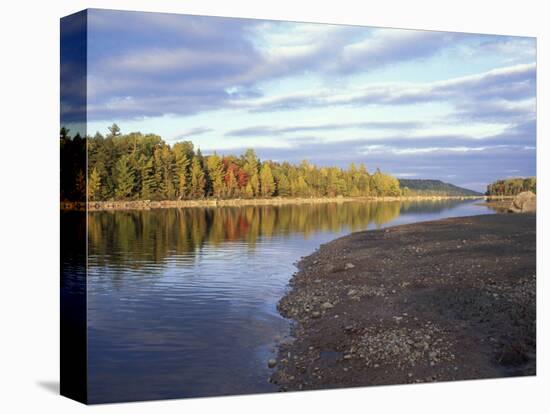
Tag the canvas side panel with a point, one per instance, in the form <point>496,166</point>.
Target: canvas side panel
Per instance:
<point>73,340</point>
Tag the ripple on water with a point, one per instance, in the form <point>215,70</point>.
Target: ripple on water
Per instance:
<point>183,302</point>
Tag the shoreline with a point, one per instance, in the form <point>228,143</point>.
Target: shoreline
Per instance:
<point>453,300</point>
<point>274,201</point>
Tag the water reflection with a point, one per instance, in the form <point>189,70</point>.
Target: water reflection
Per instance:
<point>182,302</point>
<point>152,235</point>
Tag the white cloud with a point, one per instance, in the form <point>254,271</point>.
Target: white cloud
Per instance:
<point>510,87</point>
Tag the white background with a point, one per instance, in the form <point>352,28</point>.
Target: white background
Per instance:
<point>29,236</point>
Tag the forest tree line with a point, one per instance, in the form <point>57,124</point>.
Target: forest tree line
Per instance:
<point>512,186</point>
<point>138,166</point>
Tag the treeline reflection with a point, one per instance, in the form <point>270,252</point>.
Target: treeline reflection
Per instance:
<point>151,236</point>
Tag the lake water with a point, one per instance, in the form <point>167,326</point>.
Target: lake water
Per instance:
<point>182,302</point>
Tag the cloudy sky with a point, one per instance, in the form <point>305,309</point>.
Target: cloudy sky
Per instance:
<point>418,104</point>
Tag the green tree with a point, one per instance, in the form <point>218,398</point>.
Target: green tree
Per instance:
<point>183,153</point>
<point>114,130</point>
<point>131,166</point>
<point>197,184</point>
<point>125,178</point>
<point>169,176</point>
<point>149,183</point>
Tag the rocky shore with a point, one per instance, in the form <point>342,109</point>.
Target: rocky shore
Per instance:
<point>445,300</point>
<point>236,202</point>
<point>524,202</point>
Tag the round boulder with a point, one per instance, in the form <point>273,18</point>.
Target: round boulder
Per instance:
<point>524,202</point>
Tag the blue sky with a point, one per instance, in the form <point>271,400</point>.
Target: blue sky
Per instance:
<point>418,104</point>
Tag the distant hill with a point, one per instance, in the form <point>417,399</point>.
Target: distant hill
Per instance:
<point>435,187</point>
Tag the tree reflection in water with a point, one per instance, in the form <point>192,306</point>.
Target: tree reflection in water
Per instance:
<point>150,236</point>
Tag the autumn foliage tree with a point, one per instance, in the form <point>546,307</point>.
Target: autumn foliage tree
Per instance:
<point>512,186</point>
<point>140,166</point>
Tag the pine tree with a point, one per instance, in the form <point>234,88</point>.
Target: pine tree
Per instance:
<point>114,130</point>
<point>136,166</point>
<point>148,182</point>
<point>125,178</point>
<point>182,173</point>
<point>158,173</point>
<point>183,152</point>
<point>197,184</point>
<point>168,173</point>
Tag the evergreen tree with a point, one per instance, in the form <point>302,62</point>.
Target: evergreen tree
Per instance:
<point>158,173</point>
<point>183,152</point>
<point>148,181</point>
<point>134,166</point>
<point>125,178</point>
<point>114,130</point>
<point>168,173</point>
<point>197,184</point>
